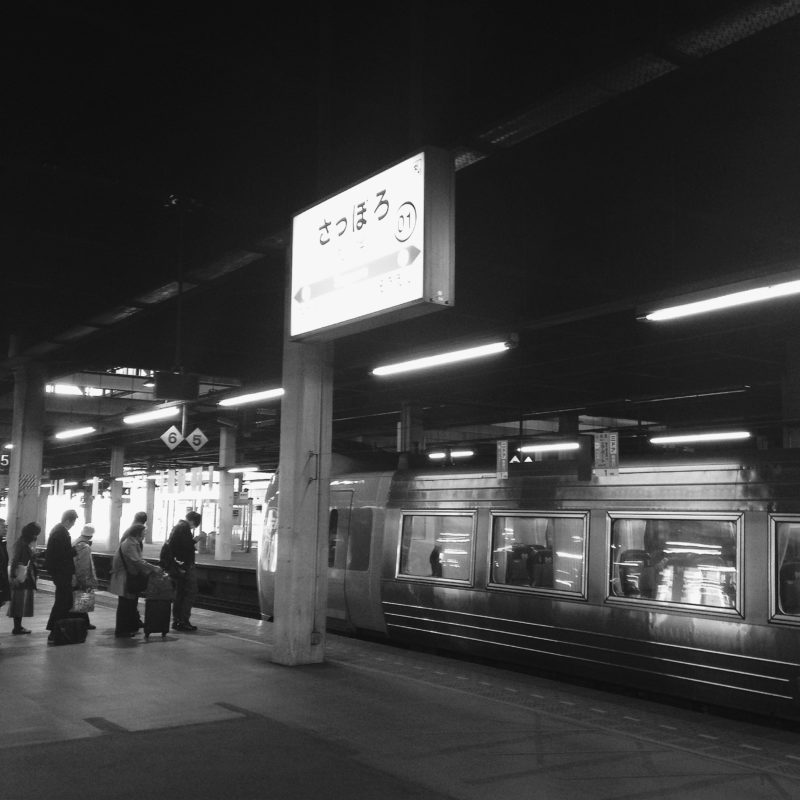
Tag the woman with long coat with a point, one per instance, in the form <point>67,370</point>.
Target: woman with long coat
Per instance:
<point>128,559</point>
<point>21,604</point>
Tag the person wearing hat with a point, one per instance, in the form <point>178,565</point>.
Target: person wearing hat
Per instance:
<point>85,577</point>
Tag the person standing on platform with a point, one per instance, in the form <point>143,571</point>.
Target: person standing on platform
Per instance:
<point>59,562</point>
<point>21,604</point>
<point>85,577</point>
<point>182,550</point>
<point>5,586</point>
<point>128,559</point>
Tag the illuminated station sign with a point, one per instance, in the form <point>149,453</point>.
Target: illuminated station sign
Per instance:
<point>378,252</point>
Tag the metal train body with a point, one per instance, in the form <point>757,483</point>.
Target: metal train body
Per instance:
<point>680,577</point>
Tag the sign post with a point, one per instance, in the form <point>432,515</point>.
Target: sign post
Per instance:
<point>379,252</point>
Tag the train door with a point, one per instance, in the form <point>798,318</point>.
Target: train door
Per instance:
<point>349,543</point>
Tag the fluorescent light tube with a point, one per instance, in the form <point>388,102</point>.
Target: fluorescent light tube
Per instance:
<point>72,433</point>
<point>253,397</point>
<point>726,301</point>
<point>442,358</point>
<point>701,437</point>
<point>149,416</point>
<point>542,448</point>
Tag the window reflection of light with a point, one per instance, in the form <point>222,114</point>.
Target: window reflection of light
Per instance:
<point>577,556</point>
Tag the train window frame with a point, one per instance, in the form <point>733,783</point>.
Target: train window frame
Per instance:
<point>735,518</point>
<point>471,514</point>
<point>579,594</point>
<point>777,614</point>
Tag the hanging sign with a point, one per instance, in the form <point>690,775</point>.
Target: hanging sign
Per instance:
<point>196,439</point>
<point>378,252</point>
<point>171,437</point>
<point>606,452</point>
<point>502,459</point>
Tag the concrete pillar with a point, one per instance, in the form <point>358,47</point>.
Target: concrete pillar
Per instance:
<point>410,433</point>
<point>150,508</point>
<point>115,511</point>
<point>25,469</point>
<point>88,505</point>
<point>227,458</point>
<point>301,580</point>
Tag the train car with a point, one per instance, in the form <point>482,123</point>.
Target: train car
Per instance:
<point>676,575</point>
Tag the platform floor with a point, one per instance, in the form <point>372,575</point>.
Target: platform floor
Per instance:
<point>208,715</point>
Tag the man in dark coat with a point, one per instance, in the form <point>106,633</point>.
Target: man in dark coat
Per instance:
<point>5,586</point>
<point>181,550</point>
<point>59,562</point>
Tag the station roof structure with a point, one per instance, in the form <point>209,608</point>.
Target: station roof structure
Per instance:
<point>608,159</point>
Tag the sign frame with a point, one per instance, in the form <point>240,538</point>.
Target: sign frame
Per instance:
<point>352,287</point>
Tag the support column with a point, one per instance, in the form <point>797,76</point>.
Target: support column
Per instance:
<point>227,458</point>
<point>410,434</point>
<point>25,470</point>
<point>301,581</point>
<point>115,512</point>
<point>150,508</point>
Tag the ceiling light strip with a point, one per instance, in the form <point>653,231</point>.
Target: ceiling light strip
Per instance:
<point>443,358</point>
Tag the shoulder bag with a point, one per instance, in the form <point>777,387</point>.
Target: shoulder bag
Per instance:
<point>21,573</point>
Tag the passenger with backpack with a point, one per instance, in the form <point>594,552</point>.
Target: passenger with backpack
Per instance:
<point>178,559</point>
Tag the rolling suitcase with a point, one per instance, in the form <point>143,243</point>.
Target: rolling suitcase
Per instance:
<point>156,617</point>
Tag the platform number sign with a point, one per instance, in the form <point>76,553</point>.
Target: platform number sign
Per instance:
<point>172,437</point>
<point>196,439</point>
<point>5,462</point>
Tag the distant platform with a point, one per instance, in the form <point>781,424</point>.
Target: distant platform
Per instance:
<point>239,558</point>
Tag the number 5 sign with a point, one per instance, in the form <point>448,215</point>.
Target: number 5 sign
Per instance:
<point>196,439</point>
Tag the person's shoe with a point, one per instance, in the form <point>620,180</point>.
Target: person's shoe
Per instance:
<point>128,635</point>
<point>176,626</point>
<point>51,639</point>
<point>18,631</point>
<point>187,626</point>
<point>91,627</point>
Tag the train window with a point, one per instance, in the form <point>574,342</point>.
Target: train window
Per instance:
<point>349,538</point>
<point>360,539</point>
<point>335,538</point>
<point>538,551</point>
<point>787,565</point>
<point>675,560</point>
<point>437,546</point>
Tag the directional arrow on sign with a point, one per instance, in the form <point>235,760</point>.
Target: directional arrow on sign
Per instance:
<point>393,261</point>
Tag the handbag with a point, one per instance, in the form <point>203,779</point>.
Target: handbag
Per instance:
<point>21,573</point>
<point>135,582</point>
<point>82,601</point>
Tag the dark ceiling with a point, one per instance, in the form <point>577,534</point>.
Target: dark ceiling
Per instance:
<point>605,158</point>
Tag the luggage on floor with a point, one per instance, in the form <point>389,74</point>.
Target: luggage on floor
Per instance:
<point>70,630</point>
<point>156,617</point>
<point>160,587</point>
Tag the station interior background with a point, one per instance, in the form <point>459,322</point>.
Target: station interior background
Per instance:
<point>607,159</point>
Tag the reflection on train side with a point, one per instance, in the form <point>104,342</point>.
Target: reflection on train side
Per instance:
<point>437,546</point>
<point>786,533</point>
<point>675,560</point>
<point>540,551</point>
